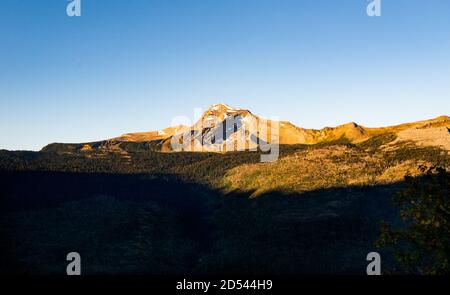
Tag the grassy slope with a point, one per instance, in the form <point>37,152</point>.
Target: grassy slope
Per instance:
<point>320,167</point>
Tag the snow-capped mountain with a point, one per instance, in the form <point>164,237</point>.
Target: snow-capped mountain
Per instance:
<point>223,128</point>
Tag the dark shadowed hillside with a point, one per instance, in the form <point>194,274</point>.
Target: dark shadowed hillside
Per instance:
<point>139,224</point>
<point>316,210</point>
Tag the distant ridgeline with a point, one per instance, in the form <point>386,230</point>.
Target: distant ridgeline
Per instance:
<point>211,134</point>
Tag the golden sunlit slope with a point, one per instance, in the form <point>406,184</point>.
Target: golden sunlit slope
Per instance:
<point>432,132</point>
<point>332,166</point>
<point>435,132</point>
<point>151,135</point>
<point>290,134</point>
<point>376,156</point>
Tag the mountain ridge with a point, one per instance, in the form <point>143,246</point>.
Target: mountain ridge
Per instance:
<point>222,127</point>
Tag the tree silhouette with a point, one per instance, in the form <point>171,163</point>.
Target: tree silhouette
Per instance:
<point>422,244</point>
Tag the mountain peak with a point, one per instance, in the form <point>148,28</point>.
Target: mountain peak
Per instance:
<point>221,107</point>
<point>350,125</point>
<point>442,118</point>
<point>221,111</point>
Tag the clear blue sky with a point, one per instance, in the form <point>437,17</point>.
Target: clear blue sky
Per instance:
<point>127,66</point>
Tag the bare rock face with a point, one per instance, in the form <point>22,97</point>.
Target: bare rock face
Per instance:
<point>437,136</point>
